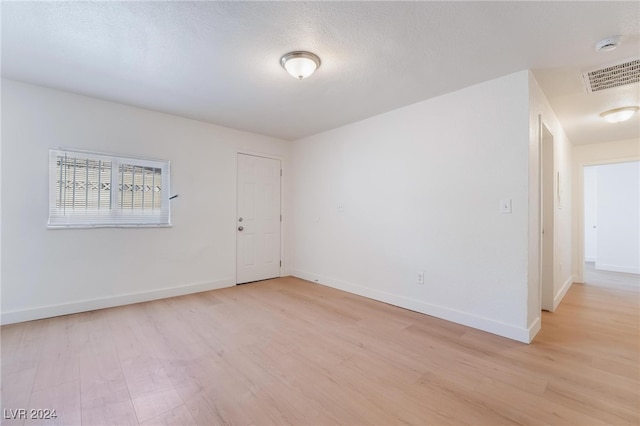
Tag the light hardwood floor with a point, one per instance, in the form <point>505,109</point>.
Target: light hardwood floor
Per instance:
<point>287,351</point>
<point>601,278</point>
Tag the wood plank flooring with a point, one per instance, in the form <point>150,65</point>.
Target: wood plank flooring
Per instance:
<point>601,278</point>
<point>287,351</point>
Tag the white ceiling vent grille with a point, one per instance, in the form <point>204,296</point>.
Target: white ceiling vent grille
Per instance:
<point>612,76</point>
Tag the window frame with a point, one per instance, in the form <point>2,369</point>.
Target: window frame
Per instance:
<point>114,215</point>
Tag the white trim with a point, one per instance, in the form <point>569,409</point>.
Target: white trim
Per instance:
<point>453,315</point>
<point>146,160</point>
<point>617,268</point>
<point>261,154</point>
<point>562,292</point>
<point>534,329</point>
<point>108,302</point>
<point>590,259</point>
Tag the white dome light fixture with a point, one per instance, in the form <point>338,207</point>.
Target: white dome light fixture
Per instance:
<point>609,43</point>
<point>300,64</point>
<point>619,114</point>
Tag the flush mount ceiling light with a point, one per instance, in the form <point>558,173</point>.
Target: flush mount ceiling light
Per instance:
<point>619,114</point>
<point>300,64</point>
<point>609,43</point>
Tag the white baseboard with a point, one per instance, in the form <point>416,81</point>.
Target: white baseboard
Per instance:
<point>617,268</point>
<point>561,293</point>
<point>453,315</point>
<point>108,302</point>
<point>534,328</point>
<point>589,259</point>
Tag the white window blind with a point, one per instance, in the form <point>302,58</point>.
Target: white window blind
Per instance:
<point>88,189</point>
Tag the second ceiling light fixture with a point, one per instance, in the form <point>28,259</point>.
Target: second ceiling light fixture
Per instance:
<point>300,64</point>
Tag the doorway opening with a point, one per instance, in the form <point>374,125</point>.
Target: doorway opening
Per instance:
<point>611,230</point>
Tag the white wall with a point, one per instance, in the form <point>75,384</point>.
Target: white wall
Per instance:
<point>618,212</point>
<point>415,189</point>
<point>588,155</point>
<point>115,266</point>
<point>539,107</point>
<point>420,190</point>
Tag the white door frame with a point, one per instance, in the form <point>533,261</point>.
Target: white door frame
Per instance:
<point>235,203</point>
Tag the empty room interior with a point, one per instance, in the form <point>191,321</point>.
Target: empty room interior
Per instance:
<point>319,213</point>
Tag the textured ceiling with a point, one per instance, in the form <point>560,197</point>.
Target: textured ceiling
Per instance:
<point>218,61</point>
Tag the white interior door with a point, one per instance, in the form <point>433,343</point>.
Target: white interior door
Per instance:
<point>258,221</point>
<point>548,221</point>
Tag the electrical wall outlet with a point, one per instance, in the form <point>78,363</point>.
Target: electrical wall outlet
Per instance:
<point>420,277</point>
<point>505,206</point>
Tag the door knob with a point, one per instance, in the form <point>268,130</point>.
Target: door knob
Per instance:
<point>240,228</point>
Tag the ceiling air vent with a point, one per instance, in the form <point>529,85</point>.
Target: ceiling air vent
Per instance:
<point>612,76</point>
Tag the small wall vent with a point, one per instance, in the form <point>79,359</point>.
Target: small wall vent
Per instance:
<point>616,75</point>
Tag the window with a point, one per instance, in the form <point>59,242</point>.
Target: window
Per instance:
<point>91,190</point>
